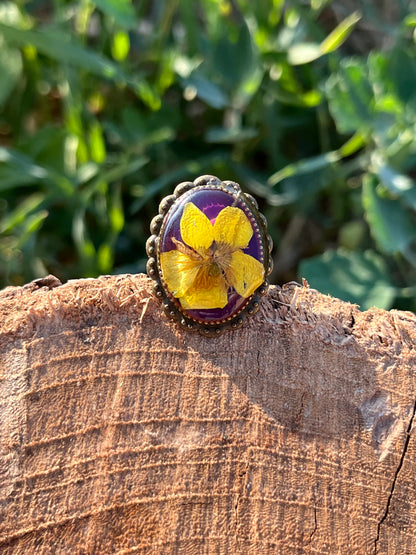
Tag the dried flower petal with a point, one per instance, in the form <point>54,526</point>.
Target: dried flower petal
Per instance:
<point>201,278</point>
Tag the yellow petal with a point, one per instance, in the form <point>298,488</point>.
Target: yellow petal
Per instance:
<point>196,229</point>
<point>206,292</point>
<point>233,228</point>
<point>179,271</point>
<point>245,273</point>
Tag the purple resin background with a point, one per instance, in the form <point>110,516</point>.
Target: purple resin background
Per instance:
<point>211,202</point>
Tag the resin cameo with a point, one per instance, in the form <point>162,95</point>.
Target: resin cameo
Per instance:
<point>209,254</point>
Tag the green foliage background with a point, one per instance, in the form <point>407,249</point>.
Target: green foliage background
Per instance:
<point>105,105</point>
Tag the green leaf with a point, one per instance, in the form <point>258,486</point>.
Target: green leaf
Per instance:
<point>305,52</point>
<point>397,183</point>
<point>15,173</point>
<point>401,72</point>
<point>232,135</point>
<point>85,246</point>
<point>97,144</point>
<point>341,32</point>
<point>108,174</point>
<point>319,4</point>
<point>21,213</point>
<point>207,90</point>
<point>86,172</point>
<point>60,45</point>
<point>234,55</point>
<point>316,163</point>
<point>120,46</point>
<point>121,11</point>
<point>357,277</point>
<point>353,145</point>
<point>391,224</point>
<point>248,88</point>
<point>309,165</point>
<point>148,94</point>
<point>309,99</point>
<point>30,226</point>
<point>10,69</point>
<point>105,258</point>
<point>13,177</point>
<point>22,163</point>
<point>350,97</point>
<point>115,212</point>
<point>19,169</point>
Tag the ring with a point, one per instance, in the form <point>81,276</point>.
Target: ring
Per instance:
<point>209,255</point>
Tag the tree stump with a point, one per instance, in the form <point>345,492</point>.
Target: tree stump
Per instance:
<point>122,433</point>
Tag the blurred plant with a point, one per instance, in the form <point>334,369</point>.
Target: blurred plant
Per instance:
<point>105,106</point>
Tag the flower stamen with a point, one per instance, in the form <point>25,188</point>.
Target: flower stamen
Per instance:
<point>188,251</point>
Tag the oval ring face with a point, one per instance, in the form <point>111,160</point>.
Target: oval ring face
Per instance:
<point>209,255</point>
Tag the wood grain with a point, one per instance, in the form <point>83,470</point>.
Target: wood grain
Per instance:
<point>121,433</point>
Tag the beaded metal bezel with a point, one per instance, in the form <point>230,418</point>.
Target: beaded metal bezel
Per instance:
<point>171,305</point>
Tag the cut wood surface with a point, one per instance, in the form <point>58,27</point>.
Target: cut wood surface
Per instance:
<point>122,433</point>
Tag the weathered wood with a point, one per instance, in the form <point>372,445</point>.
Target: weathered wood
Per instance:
<point>121,433</point>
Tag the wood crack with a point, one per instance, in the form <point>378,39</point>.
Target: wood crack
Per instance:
<point>315,527</point>
<point>395,478</point>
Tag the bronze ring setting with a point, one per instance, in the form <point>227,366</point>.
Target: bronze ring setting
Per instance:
<point>209,255</point>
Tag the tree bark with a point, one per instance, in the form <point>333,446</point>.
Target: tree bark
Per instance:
<point>121,433</point>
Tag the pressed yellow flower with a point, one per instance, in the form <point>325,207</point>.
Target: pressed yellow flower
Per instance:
<point>210,260</point>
